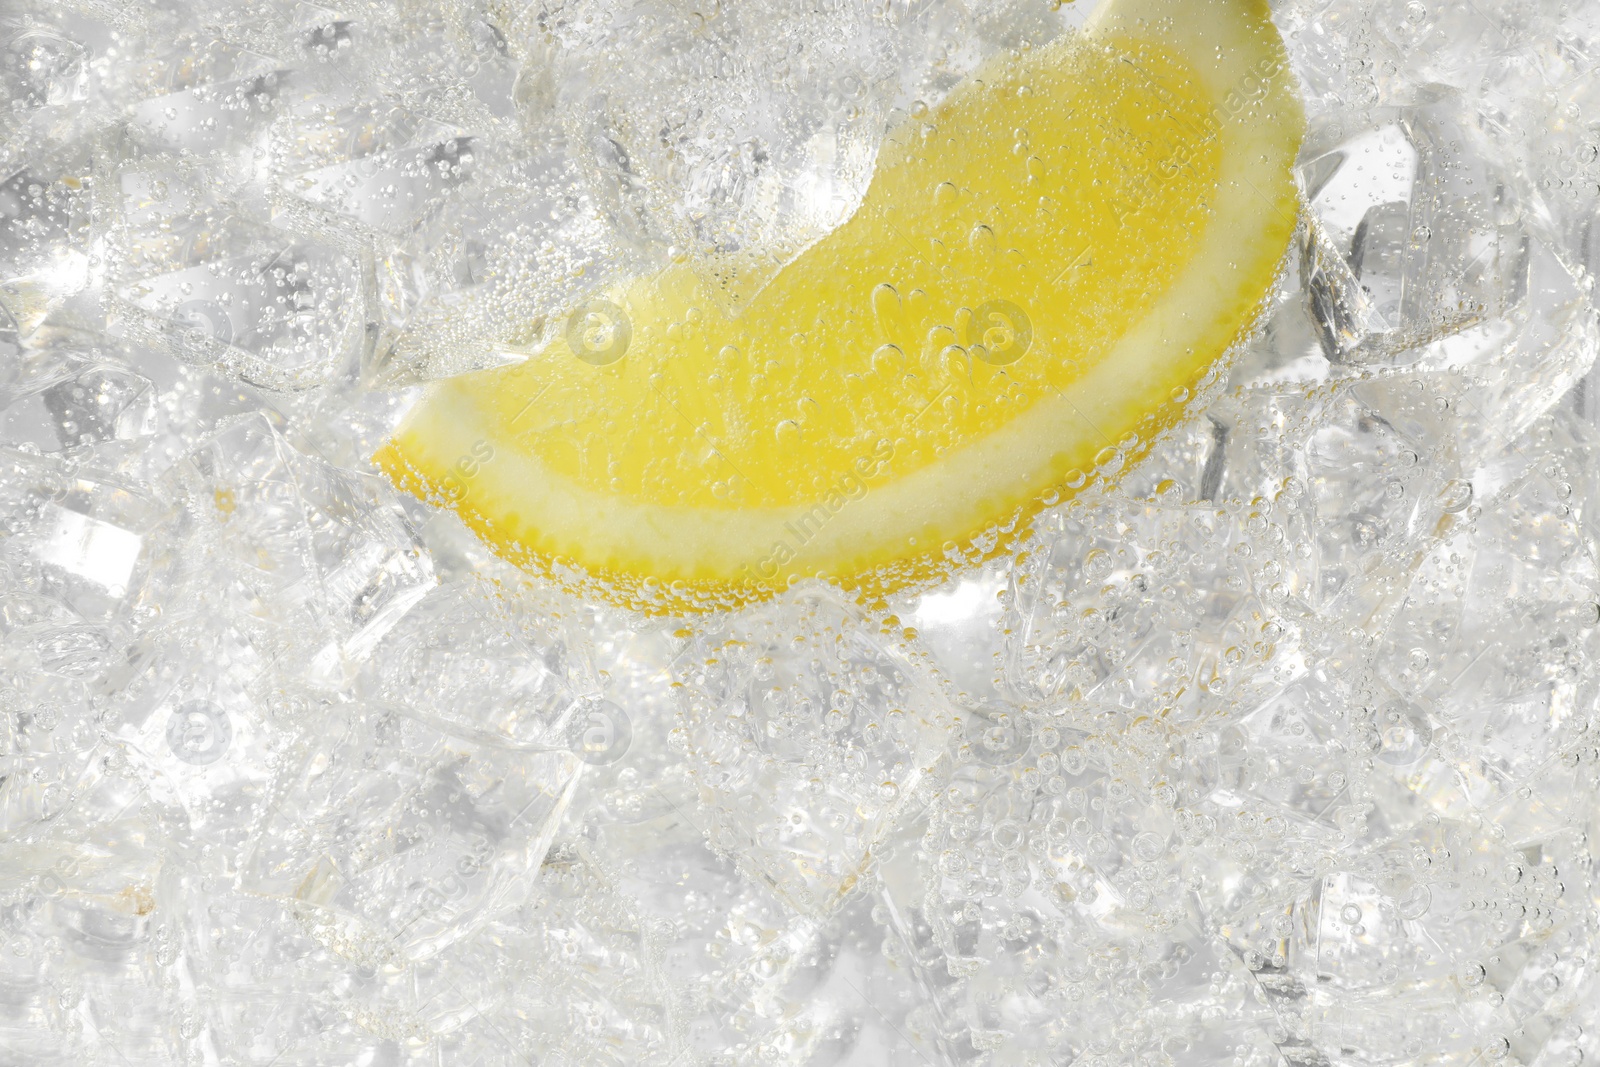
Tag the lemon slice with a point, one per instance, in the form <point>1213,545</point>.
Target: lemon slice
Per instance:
<point>1042,269</point>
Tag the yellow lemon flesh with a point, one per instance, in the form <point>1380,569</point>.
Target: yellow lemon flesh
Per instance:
<point>1041,270</point>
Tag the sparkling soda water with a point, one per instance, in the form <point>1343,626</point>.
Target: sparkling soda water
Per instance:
<point>1278,748</point>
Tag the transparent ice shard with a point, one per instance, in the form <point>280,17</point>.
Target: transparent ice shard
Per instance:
<point>49,657</point>
<point>1413,235</point>
<point>1494,625</point>
<point>197,713</point>
<point>76,400</point>
<point>77,536</point>
<point>399,865</point>
<point>373,167</point>
<point>1341,309</point>
<point>807,747</point>
<point>963,628</point>
<point>590,952</point>
<point>257,946</point>
<point>49,69</point>
<point>292,544</point>
<point>44,237</point>
<point>1038,895</point>
<point>1103,624</point>
<point>102,553</point>
<point>200,94</point>
<point>480,285</point>
<point>1369,487</point>
<point>48,86</point>
<point>83,924</point>
<point>1285,351</point>
<point>734,169</point>
<point>721,946</point>
<point>193,274</point>
<point>272,990</point>
<point>1356,937</point>
<point>1281,755</point>
<point>484,659</point>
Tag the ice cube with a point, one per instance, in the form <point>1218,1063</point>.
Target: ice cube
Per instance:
<point>200,94</point>
<point>1103,623</point>
<point>1369,487</point>
<point>89,548</point>
<point>220,289</point>
<point>493,278</point>
<point>49,734</point>
<point>480,658</point>
<point>75,400</point>
<point>373,167</point>
<point>49,79</point>
<point>400,864</point>
<point>1494,624</point>
<point>1427,228</point>
<point>319,553</point>
<point>808,747</point>
<point>83,538</point>
<point>46,69</point>
<point>44,238</point>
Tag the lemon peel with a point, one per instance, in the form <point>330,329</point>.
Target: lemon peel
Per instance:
<point>1042,270</point>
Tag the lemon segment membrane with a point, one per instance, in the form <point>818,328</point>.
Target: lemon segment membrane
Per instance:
<point>1042,268</point>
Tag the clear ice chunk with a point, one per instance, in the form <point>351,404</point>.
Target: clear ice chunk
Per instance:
<point>808,736</point>
<point>217,288</point>
<point>477,286</point>
<point>285,540</point>
<point>372,166</point>
<point>201,94</point>
<point>482,659</point>
<point>101,552</point>
<point>80,537</point>
<point>75,401</point>
<point>1413,235</point>
<point>1102,624</point>
<point>398,865</point>
<point>44,238</point>
<point>50,657</point>
<point>47,69</point>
